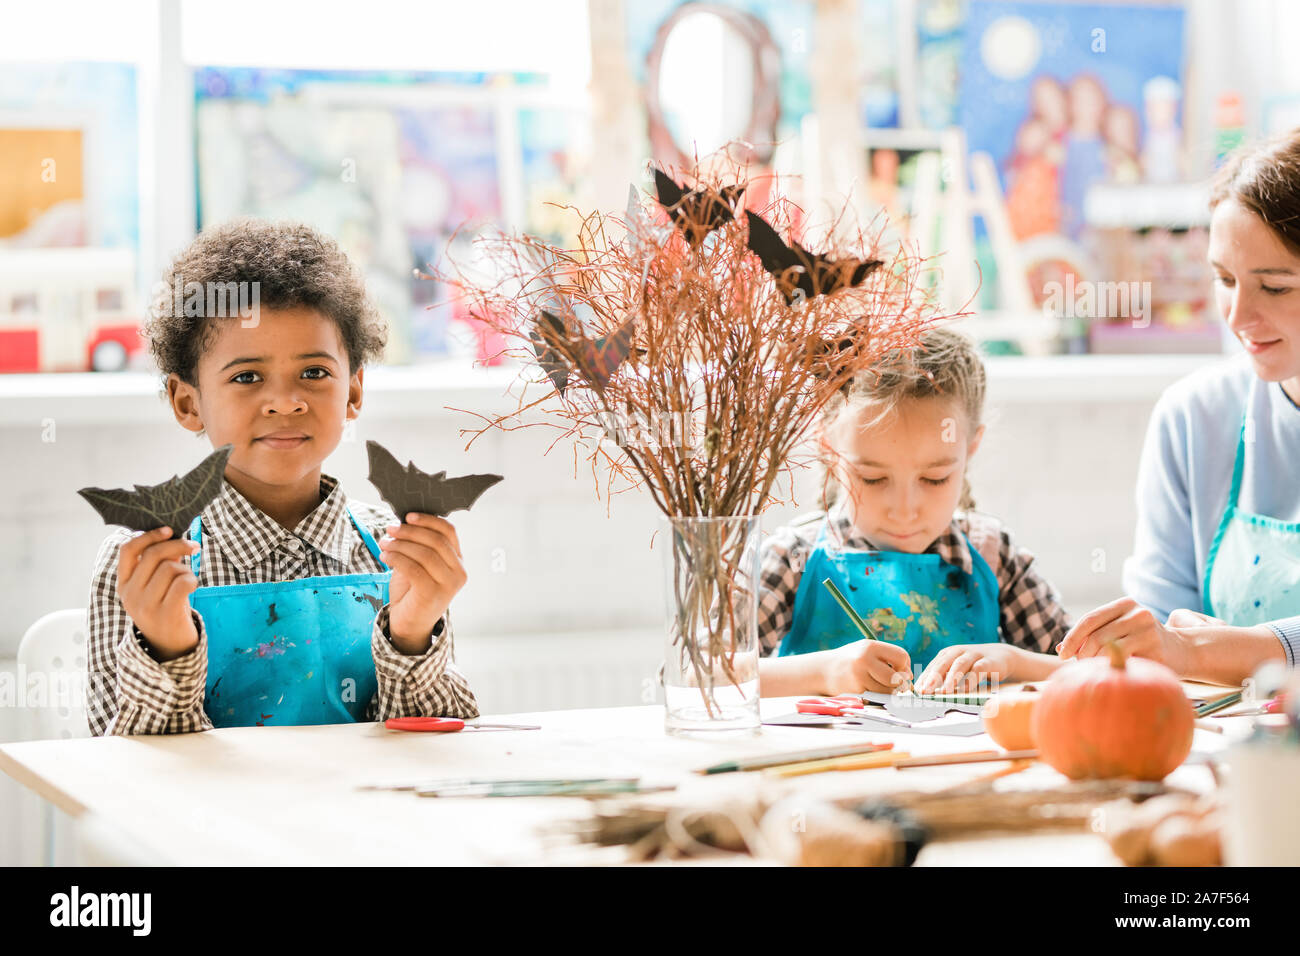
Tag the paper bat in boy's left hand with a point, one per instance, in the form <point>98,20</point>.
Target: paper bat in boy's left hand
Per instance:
<point>801,274</point>
<point>173,504</point>
<point>408,489</point>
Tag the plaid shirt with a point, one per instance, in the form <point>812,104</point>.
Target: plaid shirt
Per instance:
<point>129,692</point>
<point>1030,608</point>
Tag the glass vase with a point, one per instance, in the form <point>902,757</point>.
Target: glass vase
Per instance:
<point>711,650</point>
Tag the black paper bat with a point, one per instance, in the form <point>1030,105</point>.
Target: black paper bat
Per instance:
<point>696,212</point>
<point>801,274</point>
<point>174,503</point>
<point>597,357</point>
<point>409,489</point>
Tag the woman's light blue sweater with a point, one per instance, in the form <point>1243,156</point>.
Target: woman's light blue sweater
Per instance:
<point>1186,473</point>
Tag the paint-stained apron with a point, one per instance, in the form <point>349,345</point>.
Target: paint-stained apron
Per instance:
<point>290,652</point>
<point>1252,573</point>
<point>918,601</point>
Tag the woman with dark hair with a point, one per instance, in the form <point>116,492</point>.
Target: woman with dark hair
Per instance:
<point>1214,580</point>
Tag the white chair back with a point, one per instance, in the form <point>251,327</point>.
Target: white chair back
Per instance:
<point>51,678</point>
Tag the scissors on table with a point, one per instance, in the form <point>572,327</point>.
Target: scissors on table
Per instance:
<point>448,725</point>
<point>839,706</point>
<point>849,706</point>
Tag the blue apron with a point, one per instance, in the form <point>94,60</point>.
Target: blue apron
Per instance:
<point>918,601</point>
<point>290,652</point>
<point>1252,573</point>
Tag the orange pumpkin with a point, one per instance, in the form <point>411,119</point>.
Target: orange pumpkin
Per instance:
<point>1007,718</point>
<point>1113,716</point>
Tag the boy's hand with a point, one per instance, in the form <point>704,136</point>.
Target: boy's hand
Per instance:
<point>424,554</point>
<point>965,667</point>
<point>154,585</point>
<point>1132,627</point>
<point>868,665</point>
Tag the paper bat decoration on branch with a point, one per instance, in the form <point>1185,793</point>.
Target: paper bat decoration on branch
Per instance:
<point>801,274</point>
<point>696,212</point>
<point>174,503</point>
<point>596,358</point>
<point>407,488</point>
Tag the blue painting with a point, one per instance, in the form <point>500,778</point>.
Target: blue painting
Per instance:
<point>1066,95</point>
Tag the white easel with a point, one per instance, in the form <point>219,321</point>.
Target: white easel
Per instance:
<point>955,208</point>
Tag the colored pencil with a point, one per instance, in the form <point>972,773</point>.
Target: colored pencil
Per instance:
<point>1215,704</point>
<point>798,756</point>
<point>972,699</point>
<point>843,602</point>
<point>886,758</point>
<point>902,760</point>
<point>538,788</point>
<point>975,756</point>
<point>853,615</point>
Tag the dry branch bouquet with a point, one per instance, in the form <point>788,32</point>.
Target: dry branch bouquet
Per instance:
<point>688,347</point>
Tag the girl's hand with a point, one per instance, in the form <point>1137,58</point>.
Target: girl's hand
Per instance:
<point>965,667</point>
<point>1136,630</point>
<point>424,554</point>
<point>868,665</point>
<point>154,584</point>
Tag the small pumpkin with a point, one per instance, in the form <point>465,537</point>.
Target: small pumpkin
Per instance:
<point>1113,716</point>
<point>1008,718</point>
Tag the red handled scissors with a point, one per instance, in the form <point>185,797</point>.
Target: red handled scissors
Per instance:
<point>448,725</point>
<point>843,705</point>
<point>848,706</point>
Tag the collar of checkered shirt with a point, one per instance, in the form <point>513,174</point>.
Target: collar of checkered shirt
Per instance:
<point>246,535</point>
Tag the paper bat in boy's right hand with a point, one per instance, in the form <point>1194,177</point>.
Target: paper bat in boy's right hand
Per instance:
<point>407,488</point>
<point>801,274</point>
<point>173,504</point>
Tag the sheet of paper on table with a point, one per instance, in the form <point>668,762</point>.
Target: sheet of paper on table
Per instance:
<point>945,727</point>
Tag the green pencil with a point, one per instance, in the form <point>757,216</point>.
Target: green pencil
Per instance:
<point>971,699</point>
<point>843,602</point>
<point>1216,704</point>
<point>847,608</point>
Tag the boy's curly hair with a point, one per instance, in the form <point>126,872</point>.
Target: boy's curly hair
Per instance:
<point>944,364</point>
<point>293,265</point>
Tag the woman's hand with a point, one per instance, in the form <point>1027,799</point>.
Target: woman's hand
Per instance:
<point>1182,617</point>
<point>424,554</point>
<point>965,668</point>
<point>1137,631</point>
<point>867,665</point>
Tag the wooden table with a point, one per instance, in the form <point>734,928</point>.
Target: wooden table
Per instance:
<point>290,795</point>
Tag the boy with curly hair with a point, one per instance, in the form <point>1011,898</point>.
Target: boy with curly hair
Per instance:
<point>276,606</point>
